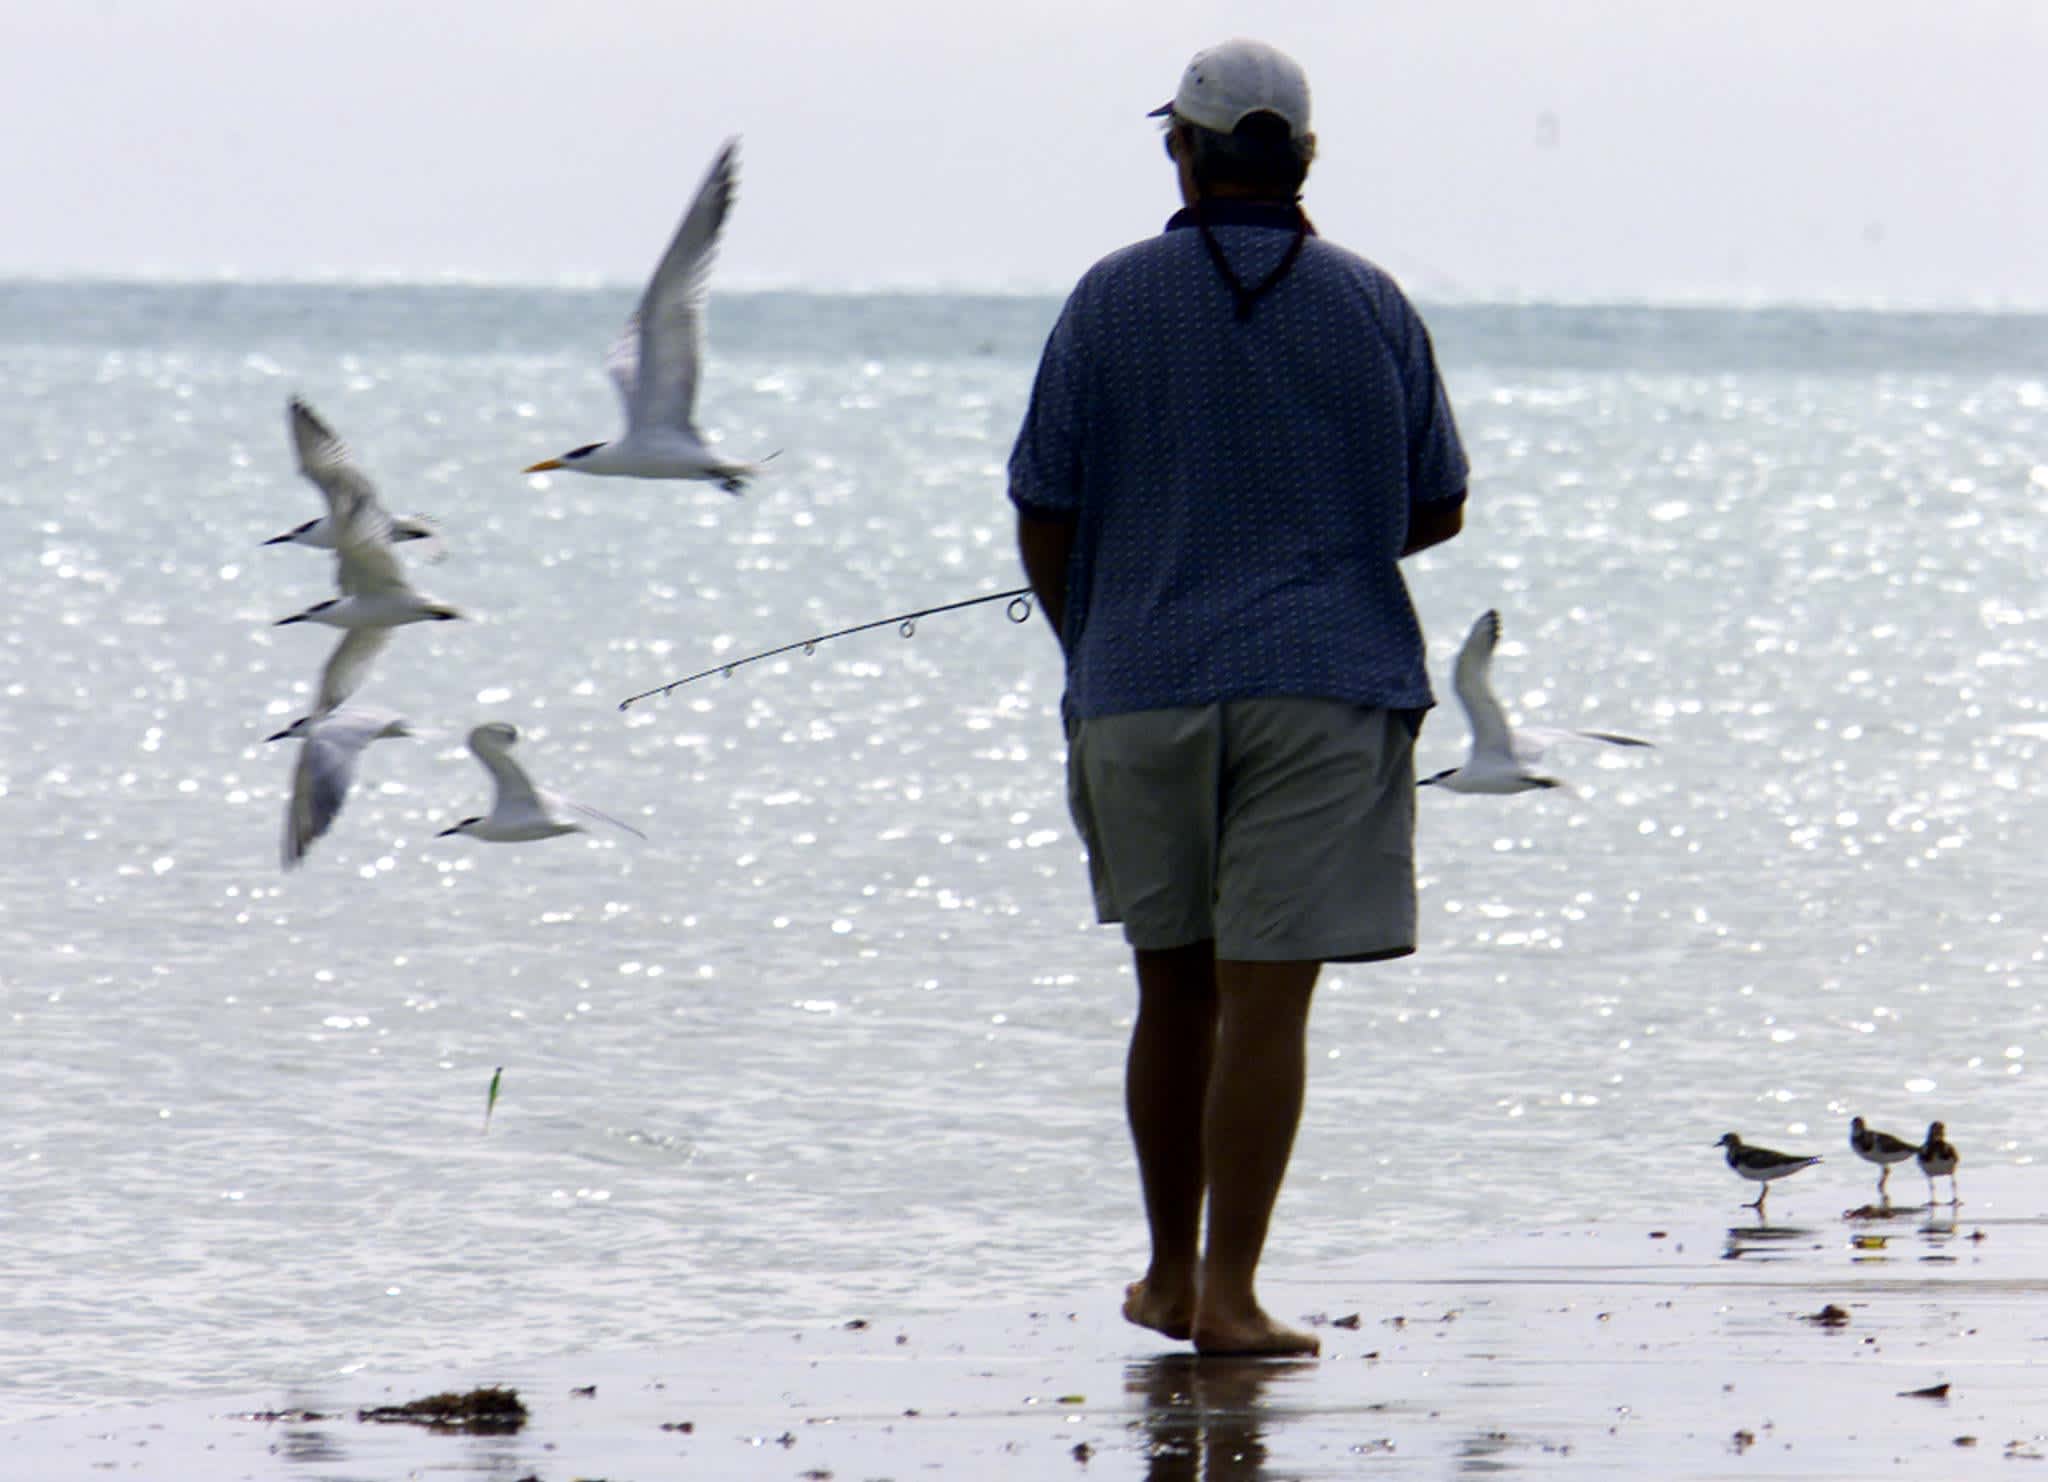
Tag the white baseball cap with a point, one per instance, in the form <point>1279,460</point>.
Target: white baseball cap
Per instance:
<point>1225,84</point>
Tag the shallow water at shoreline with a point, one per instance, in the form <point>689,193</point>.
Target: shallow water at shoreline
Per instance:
<point>1812,1346</point>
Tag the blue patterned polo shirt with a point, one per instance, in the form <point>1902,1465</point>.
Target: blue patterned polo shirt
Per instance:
<point>1240,487</point>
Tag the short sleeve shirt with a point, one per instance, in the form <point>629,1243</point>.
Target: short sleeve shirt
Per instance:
<point>1240,487</point>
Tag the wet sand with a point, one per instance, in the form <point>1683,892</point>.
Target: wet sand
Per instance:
<point>1686,1350</point>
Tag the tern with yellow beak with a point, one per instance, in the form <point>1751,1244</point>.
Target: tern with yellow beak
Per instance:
<point>656,361</point>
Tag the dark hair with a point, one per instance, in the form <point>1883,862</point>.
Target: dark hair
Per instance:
<point>1261,154</point>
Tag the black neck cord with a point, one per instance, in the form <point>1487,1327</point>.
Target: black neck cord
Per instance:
<point>1246,298</point>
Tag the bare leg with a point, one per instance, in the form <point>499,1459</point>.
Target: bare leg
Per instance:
<point>1248,1124</point>
<point>1166,1084</point>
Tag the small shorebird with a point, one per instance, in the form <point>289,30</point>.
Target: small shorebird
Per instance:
<point>1500,758</point>
<point>519,810</point>
<point>1880,1148</point>
<point>1938,1159</point>
<point>658,357</point>
<point>1761,1165</point>
<point>324,460</point>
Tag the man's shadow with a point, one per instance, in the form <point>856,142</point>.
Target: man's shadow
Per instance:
<point>1205,1419</point>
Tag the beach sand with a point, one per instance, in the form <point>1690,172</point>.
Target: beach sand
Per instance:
<point>1687,1350</point>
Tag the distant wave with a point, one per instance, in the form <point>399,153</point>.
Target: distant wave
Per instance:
<point>1426,286</point>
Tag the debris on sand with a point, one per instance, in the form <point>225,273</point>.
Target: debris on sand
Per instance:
<point>1829,1316</point>
<point>489,1411</point>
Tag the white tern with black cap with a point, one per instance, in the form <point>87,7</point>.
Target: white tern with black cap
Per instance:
<point>658,358</point>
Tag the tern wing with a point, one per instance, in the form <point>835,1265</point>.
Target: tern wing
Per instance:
<point>622,364</point>
<point>320,783</point>
<point>1475,693</point>
<point>325,459</point>
<point>424,529</point>
<point>1612,739</point>
<point>601,816</point>
<point>365,561</point>
<point>1531,742</point>
<point>342,674</point>
<point>667,329</point>
<point>492,743</point>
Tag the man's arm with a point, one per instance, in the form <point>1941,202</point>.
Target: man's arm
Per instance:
<point>1045,544</point>
<point>1428,525</point>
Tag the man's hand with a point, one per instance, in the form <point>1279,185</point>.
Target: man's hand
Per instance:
<point>1045,546</point>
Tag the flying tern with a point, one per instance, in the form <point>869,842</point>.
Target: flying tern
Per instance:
<point>374,589</point>
<point>519,810</point>
<point>342,674</point>
<point>658,358</point>
<point>330,744</point>
<point>324,460</point>
<point>1500,758</point>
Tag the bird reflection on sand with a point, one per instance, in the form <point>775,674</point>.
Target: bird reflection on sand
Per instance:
<point>1761,1242</point>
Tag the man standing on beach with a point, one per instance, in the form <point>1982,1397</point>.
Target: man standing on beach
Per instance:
<point>1236,432</point>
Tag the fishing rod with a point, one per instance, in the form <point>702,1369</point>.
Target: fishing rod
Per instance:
<point>1018,611</point>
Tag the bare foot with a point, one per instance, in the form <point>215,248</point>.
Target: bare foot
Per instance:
<point>1251,1332</point>
<point>1172,1315</point>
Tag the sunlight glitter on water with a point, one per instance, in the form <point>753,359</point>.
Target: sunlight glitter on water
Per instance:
<point>1814,899</point>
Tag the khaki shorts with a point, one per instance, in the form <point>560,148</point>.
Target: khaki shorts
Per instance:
<point>1283,828</point>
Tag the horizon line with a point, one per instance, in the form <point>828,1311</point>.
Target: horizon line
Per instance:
<point>762,287</point>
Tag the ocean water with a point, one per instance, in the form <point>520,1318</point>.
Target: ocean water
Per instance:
<point>840,1038</point>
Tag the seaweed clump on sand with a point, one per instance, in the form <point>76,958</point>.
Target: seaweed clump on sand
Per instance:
<point>489,1411</point>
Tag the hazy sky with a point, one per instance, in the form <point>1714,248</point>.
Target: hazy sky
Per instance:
<point>1742,149</point>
